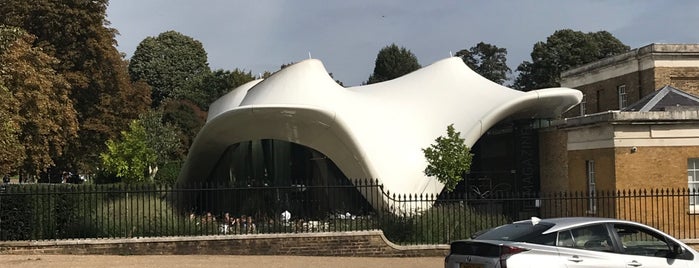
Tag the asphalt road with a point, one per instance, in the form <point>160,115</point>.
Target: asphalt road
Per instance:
<point>209,261</point>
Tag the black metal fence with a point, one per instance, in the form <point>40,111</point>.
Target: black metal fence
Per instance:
<point>64,211</point>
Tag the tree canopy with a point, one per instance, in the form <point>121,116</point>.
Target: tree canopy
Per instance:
<point>187,118</point>
<point>130,156</point>
<point>448,158</point>
<point>487,60</point>
<point>210,86</point>
<point>11,150</point>
<point>75,32</point>
<point>563,50</point>
<point>162,137</point>
<point>168,63</point>
<point>139,152</point>
<point>40,115</point>
<point>393,62</point>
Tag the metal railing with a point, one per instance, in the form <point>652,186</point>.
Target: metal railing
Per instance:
<point>65,211</point>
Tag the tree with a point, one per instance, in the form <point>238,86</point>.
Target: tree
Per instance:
<point>207,88</point>
<point>187,118</point>
<point>487,60</point>
<point>167,62</point>
<point>76,33</point>
<point>448,158</point>
<point>45,121</point>
<point>393,62</point>
<point>162,138</point>
<point>129,157</point>
<point>563,50</point>
<point>11,150</point>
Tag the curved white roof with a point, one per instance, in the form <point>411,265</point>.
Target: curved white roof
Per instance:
<point>373,131</point>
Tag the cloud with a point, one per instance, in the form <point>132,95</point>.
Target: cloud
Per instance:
<point>346,35</point>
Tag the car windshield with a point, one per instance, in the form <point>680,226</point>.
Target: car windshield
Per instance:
<point>520,232</point>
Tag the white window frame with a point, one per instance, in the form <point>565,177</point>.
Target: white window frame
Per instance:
<point>623,97</point>
<point>591,186</point>
<point>693,184</point>
<point>583,105</point>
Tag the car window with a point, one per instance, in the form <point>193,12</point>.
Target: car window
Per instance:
<point>521,232</point>
<point>592,237</point>
<point>565,239</point>
<point>640,241</point>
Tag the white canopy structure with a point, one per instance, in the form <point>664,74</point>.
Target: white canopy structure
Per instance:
<point>372,131</point>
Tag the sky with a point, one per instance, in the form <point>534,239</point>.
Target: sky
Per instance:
<point>261,35</point>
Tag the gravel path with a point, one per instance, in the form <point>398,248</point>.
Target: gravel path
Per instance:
<point>208,261</point>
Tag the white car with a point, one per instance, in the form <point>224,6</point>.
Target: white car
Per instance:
<point>571,243</point>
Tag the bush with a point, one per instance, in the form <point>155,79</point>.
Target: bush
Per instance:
<point>38,211</point>
<point>135,214</point>
<point>15,215</point>
<point>65,211</point>
<point>439,224</point>
<point>167,174</point>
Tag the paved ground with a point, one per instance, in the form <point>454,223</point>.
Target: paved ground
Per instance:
<point>160,261</point>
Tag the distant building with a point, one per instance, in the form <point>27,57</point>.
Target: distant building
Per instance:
<point>300,128</point>
<point>616,82</point>
<point>637,127</point>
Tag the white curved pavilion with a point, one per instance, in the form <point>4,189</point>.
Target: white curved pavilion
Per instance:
<point>372,131</point>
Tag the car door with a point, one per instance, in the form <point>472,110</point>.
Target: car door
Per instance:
<point>588,247</point>
<point>643,247</point>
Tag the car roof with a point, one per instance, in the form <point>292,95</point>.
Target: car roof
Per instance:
<point>571,222</point>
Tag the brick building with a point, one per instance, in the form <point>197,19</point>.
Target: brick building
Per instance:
<point>637,128</point>
<point>616,82</point>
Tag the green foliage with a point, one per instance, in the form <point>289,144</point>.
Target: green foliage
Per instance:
<point>207,88</point>
<point>393,62</point>
<point>188,118</point>
<point>448,158</point>
<point>139,214</point>
<point>487,60</point>
<point>563,50</point>
<point>161,137</point>
<point>130,157</point>
<point>16,221</point>
<point>27,214</point>
<point>168,63</point>
<point>440,224</point>
<point>168,173</point>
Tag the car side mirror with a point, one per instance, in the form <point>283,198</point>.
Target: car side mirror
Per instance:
<point>677,249</point>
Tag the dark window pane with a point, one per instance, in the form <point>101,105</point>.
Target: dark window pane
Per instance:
<point>521,232</point>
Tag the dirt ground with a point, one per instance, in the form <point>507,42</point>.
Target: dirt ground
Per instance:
<point>158,261</point>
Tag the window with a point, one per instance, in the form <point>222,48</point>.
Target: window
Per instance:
<point>640,241</point>
<point>637,241</point>
<point>693,184</point>
<point>583,105</point>
<point>591,199</point>
<point>593,237</point>
<point>521,232</point>
<point>623,99</point>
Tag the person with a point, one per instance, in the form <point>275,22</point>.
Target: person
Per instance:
<point>286,216</point>
<point>250,225</point>
<point>226,223</point>
<point>6,179</point>
<point>244,223</point>
<point>64,177</point>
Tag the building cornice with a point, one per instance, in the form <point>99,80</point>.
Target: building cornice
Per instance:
<point>644,58</point>
<point>619,117</point>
